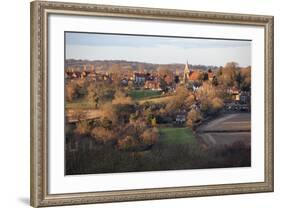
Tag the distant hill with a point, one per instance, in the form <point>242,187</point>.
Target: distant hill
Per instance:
<point>131,65</point>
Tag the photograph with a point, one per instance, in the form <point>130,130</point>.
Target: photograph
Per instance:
<point>136,103</point>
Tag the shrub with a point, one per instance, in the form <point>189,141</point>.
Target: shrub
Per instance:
<point>193,116</point>
<point>150,136</point>
<point>128,143</point>
<point>102,134</point>
<point>71,90</point>
<point>82,128</point>
<point>217,104</point>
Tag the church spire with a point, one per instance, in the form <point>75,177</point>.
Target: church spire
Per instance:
<point>186,72</point>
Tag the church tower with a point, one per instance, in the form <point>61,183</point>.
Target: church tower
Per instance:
<point>186,73</point>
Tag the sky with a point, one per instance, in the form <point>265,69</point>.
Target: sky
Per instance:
<point>157,50</point>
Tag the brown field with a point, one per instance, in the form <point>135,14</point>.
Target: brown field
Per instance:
<point>227,130</point>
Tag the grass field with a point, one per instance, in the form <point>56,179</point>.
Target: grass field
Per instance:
<point>79,104</point>
<point>144,94</point>
<point>163,99</point>
<point>170,135</point>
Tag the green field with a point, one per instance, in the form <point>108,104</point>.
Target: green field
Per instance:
<point>160,99</point>
<point>144,94</point>
<point>171,135</point>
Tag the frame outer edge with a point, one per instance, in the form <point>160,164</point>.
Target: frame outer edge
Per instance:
<point>32,156</point>
<point>271,92</point>
<point>33,100</point>
<point>269,104</point>
<point>38,197</point>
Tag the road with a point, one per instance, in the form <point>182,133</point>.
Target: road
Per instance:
<point>227,129</point>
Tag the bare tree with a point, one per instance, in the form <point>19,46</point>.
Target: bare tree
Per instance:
<point>193,116</point>
<point>121,98</point>
<point>92,95</point>
<point>210,98</point>
<point>71,90</point>
<point>228,74</point>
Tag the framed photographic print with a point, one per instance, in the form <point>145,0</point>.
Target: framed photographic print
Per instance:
<point>144,103</point>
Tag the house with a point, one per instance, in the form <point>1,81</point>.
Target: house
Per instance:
<point>75,75</point>
<point>106,77</point>
<point>67,75</point>
<point>245,97</point>
<point>195,88</point>
<point>92,76</point>
<point>124,82</point>
<point>238,96</point>
<point>234,92</point>
<point>152,84</point>
<point>180,119</point>
<point>195,106</point>
<point>169,79</point>
<point>84,74</point>
<point>194,75</point>
<point>139,78</point>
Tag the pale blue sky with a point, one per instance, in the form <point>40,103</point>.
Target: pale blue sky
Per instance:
<point>158,50</point>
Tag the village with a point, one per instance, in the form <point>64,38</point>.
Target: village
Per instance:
<point>138,111</point>
<point>165,82</point>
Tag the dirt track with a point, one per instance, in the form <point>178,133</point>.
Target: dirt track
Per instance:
<point>73,116</point>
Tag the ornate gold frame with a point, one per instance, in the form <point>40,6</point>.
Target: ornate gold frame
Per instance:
<point>39,103</point>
